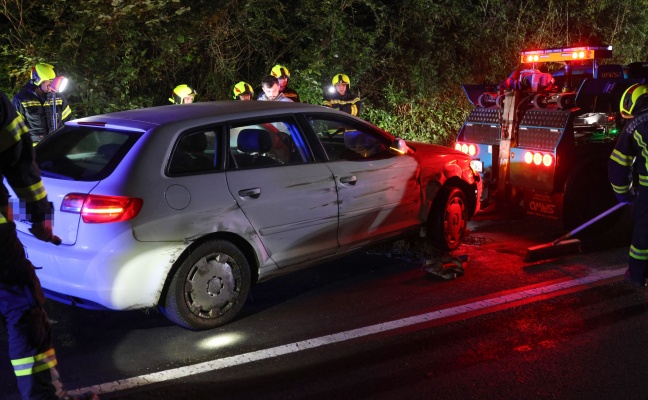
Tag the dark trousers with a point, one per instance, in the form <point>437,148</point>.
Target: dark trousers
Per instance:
<point>28,329</point>
<point>638,260</point>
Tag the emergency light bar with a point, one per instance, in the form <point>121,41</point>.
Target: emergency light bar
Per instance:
<point>566,54</point>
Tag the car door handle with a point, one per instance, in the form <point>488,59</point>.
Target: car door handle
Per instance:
<point>254,193</point>
<point>351,180</point>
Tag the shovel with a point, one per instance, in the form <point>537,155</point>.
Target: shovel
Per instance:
<point>562,246</point>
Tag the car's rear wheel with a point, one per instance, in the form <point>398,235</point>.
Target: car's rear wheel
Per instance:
<point>448,219</point>
<point>209,288</point>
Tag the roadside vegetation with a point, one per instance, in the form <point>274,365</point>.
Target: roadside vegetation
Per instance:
<point>407,59</point>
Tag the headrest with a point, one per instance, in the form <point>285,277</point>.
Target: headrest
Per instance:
<point>353,139</point>
<point>254,141</point>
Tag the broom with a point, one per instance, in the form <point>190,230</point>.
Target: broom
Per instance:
<point>562,246</point>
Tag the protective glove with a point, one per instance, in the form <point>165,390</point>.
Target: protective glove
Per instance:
<point>43,231</point>
<point>627,198</point>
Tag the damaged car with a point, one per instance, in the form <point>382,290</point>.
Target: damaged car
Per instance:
<point>185,207</point>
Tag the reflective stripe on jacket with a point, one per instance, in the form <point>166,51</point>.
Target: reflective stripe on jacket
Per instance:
<point>37,111</point>
<point>348,103</point>
<point>18,166</point>
<point>630,151</point>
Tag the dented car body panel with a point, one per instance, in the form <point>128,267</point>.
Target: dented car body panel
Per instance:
<point>288,184</point>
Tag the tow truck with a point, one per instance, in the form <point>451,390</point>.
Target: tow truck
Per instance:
<point>542,140</point>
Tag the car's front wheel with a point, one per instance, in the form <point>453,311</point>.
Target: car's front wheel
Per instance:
<point>448,219</point>
<point>209,288</point>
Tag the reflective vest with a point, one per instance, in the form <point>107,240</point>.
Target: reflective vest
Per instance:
<point>348,103</point>
<point>38,111</point>
<point>630,151</point>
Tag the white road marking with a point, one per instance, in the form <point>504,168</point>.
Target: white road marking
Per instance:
<point>208,366</point>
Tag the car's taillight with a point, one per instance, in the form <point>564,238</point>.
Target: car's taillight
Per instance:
<point>97,209</point>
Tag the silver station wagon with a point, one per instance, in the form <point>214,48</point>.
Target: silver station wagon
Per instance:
<point>185,207</point>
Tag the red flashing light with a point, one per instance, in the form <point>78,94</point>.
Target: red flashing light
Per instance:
<point>99,209</point>
<point>528,157</point>
<point>466,148</point>
<point>545,159</point>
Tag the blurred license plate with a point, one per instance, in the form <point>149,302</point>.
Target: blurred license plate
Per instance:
<point>477,165</point>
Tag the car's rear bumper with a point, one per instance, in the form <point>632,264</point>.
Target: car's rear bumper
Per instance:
<point>122,274</point>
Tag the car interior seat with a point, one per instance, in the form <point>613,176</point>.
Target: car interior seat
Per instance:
<point>108,150</point>
<point>191,154</point>
<point>252,145</point>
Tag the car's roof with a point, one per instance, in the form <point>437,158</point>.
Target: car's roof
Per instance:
<point>147,118</point>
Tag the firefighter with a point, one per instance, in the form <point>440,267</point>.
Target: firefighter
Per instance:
<point>341,98</point>
<point>21,297</point>
<point>243,91</point>
<point>271,92</point>
<point>182,94</point>
<point>283,76</point>
<point>629,158</point>
<point>35,102</point>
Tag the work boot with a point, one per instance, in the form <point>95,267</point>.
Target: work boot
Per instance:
<point>633,280</point>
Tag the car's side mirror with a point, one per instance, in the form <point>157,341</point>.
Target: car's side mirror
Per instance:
<point>399,146</point>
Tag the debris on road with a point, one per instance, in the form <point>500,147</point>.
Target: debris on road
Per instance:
<point>447,267</point>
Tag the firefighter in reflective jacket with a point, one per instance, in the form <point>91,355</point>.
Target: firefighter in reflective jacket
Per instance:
<point>283,76</point>
<point>35,103</point>
<point>21,297</point>
<point>340,96</point>
<point>631,151</point>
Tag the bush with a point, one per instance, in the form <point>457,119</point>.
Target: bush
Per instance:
<point>406,59</point>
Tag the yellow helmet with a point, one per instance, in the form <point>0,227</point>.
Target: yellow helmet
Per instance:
<point>242,88</point>
<point>279,71</point>
<point>341,78</point>
<point>42,72</point>
<point>630,97</point>
<point>180,92</point>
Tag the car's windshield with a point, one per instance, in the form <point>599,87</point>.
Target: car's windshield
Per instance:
<point>83,153</point>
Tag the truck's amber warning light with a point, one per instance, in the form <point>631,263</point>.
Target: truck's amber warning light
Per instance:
<point>566,54</point>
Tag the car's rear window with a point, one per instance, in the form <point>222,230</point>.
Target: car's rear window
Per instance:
<point>83,153</point>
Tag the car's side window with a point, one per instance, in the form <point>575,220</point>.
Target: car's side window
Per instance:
<point>195,152</point>
<point>271,142</point>
<point>343,140</point>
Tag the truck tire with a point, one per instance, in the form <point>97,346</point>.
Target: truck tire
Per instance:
<point>209,287</point>
<point>448,219</point>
